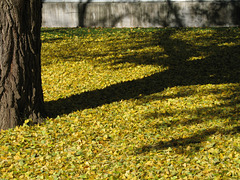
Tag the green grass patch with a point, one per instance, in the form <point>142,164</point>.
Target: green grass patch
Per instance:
<point>133,103</point>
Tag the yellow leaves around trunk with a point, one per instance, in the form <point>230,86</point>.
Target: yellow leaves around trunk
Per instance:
<point>132,103</point>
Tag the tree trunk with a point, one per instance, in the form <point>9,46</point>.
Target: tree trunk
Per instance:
<point>21,95</point>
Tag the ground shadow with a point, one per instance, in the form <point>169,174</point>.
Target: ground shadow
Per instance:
<point>221,65</point>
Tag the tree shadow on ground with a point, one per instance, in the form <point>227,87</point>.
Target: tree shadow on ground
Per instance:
<point>221,65</point>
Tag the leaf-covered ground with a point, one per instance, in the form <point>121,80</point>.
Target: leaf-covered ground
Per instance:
<point>133,104</point>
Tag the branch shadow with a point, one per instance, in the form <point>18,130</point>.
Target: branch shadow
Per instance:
<point>180,145</point>
<point>180,142</point>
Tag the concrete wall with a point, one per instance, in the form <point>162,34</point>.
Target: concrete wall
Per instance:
<point>141,14</point>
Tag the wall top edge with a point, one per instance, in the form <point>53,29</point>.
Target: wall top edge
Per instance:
<point>88,1</point>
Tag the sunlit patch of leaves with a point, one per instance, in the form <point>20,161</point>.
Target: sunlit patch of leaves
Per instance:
<point>133,104</point>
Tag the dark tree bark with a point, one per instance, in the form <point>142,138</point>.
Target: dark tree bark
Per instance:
<point>21,95</point>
